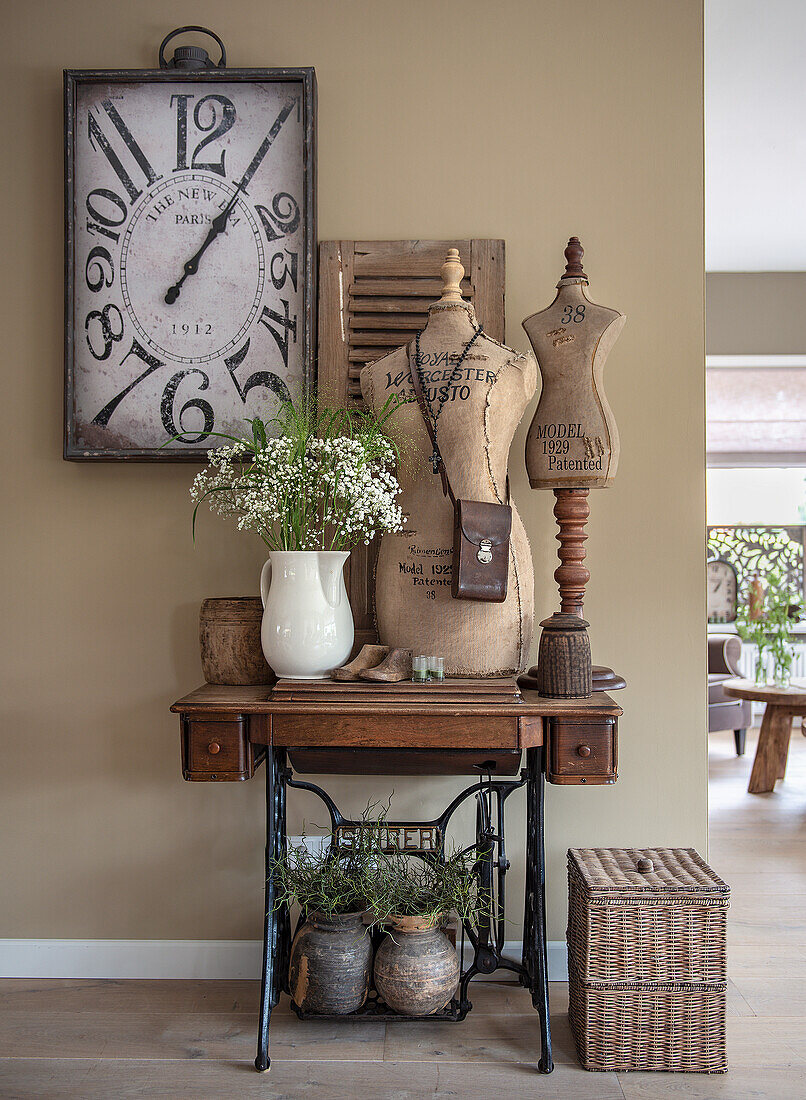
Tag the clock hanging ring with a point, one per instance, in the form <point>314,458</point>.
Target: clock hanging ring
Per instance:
<point>190,253</point>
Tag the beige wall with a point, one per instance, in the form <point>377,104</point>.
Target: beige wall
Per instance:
<point>527,120</point>
<point>756,312</point>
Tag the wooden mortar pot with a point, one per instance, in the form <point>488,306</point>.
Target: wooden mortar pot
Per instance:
<point>229,637</point>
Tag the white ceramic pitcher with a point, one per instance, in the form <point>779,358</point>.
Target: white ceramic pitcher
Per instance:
<point>307,627</point>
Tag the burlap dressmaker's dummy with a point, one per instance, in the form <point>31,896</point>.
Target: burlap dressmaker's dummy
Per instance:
<point>572,446</point>
<point>413,603</point>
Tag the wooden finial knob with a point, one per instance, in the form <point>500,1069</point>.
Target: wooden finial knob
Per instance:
<point>452,274</point>
<point>573,260</point>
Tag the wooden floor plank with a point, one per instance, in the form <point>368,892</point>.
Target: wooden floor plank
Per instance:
<point>771,884</point>
<point>478,1039</point>
<point>736,1003</point>
<point>124,1035</point>
<point>767,996</point>
<point>741,1083</point>
<point>49,1079</point>
<point>113,995</point>
<point>767,1041</point>
<point>747,961</point>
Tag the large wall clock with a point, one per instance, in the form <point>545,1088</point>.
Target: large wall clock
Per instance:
<point>190,253</point>
<point>723,591</point>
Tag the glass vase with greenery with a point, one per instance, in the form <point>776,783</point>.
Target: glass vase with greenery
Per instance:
<point>765,617</point>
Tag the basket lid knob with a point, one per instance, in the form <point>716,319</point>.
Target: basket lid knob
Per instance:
<point>645,865</point>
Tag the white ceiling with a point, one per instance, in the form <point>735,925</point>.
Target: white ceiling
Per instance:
<point>755,95</point>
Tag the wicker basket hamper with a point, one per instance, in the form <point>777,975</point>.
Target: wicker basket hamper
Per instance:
<point>646,959</point>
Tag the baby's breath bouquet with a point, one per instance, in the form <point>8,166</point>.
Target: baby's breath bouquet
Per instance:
<point>318,479</point>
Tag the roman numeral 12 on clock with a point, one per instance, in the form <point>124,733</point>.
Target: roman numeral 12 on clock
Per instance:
<point>190,255</point>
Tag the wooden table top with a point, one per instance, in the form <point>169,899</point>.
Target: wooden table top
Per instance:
<point>792,696</point>
<point>385,699</point>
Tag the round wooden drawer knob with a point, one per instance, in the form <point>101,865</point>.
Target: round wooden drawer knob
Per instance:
<point>583,750</point>
<point>213,748</point>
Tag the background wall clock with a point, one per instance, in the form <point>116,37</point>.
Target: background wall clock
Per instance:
<point>723,591</point>
<point>190,252</point>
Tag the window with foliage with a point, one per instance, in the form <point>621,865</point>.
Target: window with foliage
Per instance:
<point>755,549</point>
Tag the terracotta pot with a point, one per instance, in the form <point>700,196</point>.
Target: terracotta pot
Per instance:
<point>331,964</point>
<point>416,967</point>
<point>229,636</point>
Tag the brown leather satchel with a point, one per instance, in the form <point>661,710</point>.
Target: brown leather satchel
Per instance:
<point>480,530</point>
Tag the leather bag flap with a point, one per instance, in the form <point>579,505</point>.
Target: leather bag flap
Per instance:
<point>480,520</point>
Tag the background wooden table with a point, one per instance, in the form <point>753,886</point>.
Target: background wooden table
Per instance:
<point>782,705</point>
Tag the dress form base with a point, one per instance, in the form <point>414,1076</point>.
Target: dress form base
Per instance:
<point>602,679</point>
<point>563,670</point>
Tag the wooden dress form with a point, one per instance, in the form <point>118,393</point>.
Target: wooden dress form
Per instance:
<point>483,406</point>
<point>572,446</point>
<point>573,439</point>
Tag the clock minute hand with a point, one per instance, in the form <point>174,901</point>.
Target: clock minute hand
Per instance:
<point>220,222</point>
<point>267,143</point>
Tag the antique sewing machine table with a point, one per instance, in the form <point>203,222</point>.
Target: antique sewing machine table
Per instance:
<point>477,727</point>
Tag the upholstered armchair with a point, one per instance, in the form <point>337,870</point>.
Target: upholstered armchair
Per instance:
<point>725,713</point>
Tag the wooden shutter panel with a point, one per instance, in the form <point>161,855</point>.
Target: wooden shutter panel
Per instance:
<point>373,297</point>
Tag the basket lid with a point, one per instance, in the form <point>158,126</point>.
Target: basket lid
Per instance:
<point>644,870</point>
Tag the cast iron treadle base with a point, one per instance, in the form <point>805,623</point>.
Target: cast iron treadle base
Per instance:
<point>376,1009</point>
<point>485,931</point>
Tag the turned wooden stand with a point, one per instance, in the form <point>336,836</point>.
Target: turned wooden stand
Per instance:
<point>571,510</point>
<point>454,728</point>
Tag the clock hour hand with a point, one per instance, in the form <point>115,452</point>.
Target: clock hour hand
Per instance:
<point>217,226</point>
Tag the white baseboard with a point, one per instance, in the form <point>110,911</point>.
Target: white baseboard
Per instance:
<point>220,959</point>
<point>558,961</point>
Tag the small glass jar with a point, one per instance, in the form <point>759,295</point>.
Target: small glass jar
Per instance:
<point>419,670</point>
<point>436,669</point>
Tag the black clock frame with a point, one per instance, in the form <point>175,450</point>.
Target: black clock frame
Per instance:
<point>306,77</point>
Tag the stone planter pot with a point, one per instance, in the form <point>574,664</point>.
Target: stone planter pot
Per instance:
<point>331,964</point>
<point>416,967</point>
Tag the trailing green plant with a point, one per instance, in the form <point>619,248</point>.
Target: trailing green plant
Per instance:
<point>313,478</point>
<point>337,879</point>
<point>328,883</point>
<point>365,878</point>
<point>404,885</point>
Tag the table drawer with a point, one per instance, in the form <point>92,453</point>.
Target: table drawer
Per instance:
<point>387,730</point>
<point>405,761</point>
<point>215,750</point>
<point>582,750</point>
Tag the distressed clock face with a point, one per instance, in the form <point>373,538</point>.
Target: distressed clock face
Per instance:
<point>189,228</point>
<point>722,592</point>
